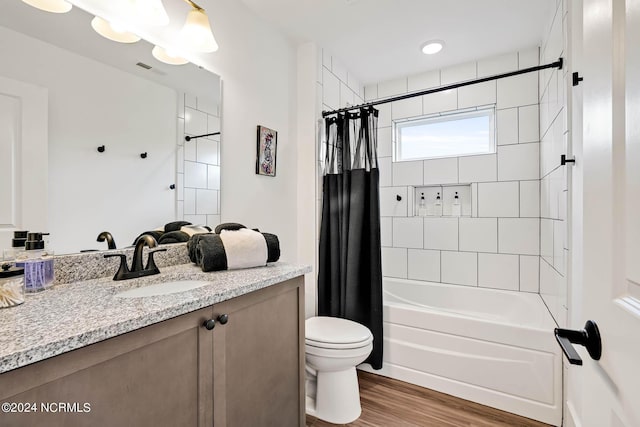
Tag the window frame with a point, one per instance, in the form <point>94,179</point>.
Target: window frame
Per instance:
<point>487,110</point>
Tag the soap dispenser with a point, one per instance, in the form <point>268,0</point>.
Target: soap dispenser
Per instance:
<point>17,246</point>
<point>457,207</point>
<point>422,206</point>
<point>37,262</point>
<point>437,205</point>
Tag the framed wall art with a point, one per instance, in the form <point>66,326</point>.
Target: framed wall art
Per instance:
<point>266,151</point>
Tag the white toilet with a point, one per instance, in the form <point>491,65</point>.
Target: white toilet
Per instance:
<point>333,348</point>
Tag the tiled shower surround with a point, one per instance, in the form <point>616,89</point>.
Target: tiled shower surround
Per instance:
<point>198,162</point>
<point>498,245</point>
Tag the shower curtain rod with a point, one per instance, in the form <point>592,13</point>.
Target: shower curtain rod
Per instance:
<point>558,64</point>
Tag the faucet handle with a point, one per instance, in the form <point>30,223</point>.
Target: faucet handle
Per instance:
<point>151,264</point>
<point>123,269</point>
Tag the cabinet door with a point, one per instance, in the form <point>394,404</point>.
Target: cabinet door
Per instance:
<point>259,358</point>
<point>160,375</point>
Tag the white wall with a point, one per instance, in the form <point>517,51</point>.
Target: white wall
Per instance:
<point>91,104</point>
<point>257,65</point>
<point>497,245</point>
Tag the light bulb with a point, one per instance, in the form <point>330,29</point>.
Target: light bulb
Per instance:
<point>196,34</point>
<point>112,31</point>
<point>54,6</point>
<point>168,56</point>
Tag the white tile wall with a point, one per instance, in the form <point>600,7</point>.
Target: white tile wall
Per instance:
<point>407,232</point>
<point>385,147</point>
<point>441,171</point>
<point>195,122</point>
<point>499,199</point>
<point>498,64</point>
<point>530,199</point>
<point>207,152</point>
<point>213,177</point>
<point>407,173</point>
<point>518,162</point>
<point>529,273</point>
<point>411,107</point>
<point>424,81</point>
<point>546,240</point>
<point>386,233</point>
<point>441,233</point>
<point>458,73</point>
<point>424,265</point>
<point>460,268</point>
<point>507,122</point>
<point>394,262</point>
<point>477,168</point>
<point>195,175</point>
<point>440,101</point>
<point>498,246</point>
<point>499,271</point>
<point>478,94</point>
<point>519,236</point>
<point>518,90</point>
<point>389,205</point>
<point>206,202</point>
<point>478,234</point>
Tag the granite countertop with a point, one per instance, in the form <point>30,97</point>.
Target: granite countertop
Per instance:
<point>70,316</point>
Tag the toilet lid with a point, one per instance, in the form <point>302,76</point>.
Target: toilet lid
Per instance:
<point>333,330</point>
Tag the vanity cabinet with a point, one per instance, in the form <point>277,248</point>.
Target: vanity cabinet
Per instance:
<point>247,371</point>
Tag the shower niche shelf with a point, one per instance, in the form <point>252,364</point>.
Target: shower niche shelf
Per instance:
<point>446,205</point>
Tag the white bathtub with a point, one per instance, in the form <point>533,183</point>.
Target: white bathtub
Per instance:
<point>489,346</point>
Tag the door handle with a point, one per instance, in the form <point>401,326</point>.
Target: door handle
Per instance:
<point>589,337</point>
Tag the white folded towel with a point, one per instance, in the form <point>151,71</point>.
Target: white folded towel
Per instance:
<point>245,248</point>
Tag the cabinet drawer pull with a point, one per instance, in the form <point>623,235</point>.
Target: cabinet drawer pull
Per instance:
<point>209,324</point>
<point>223,319</point>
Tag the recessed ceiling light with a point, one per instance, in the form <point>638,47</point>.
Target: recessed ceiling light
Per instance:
<point>432,46</point>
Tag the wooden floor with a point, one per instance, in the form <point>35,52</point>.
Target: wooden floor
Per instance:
<point>391,403</point>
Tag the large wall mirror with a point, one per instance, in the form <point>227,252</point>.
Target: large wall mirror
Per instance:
<point>92,134</point>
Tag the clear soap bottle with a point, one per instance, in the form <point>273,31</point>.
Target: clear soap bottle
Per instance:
<point>422,206</point>
<point>38,264</point>
<point>456,209</point>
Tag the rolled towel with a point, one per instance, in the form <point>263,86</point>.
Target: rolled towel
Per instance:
<point>210,253</point>
<point>233,249</point>
<point>195,229</point>
<point>232,226</point>
<point>245,248</point>
<point>175,226</point>
<point>173,237</point>
<point>156,234</point>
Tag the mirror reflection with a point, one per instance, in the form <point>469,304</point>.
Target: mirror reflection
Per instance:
<point>93,134</point>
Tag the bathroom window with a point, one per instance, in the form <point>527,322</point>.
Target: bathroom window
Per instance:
<point>446,135</point>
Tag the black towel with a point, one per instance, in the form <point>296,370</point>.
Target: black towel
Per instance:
<point>207,250</point>
<point>210,253</point>
<point>173,237</point>
<point>231,226</point>
<point>175,226</point>
<point>157,235</point>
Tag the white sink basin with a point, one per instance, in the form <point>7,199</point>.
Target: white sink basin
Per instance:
<point>165,288</point>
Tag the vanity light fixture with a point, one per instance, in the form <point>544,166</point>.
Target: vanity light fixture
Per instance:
<point>196,34</point>
<point>167,56</point>
<point>432,46</point>
<point>54,6</point>
<point>151,12</point>
<point>113,31</point>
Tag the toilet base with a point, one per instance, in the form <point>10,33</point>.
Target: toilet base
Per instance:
<point>337,396</point>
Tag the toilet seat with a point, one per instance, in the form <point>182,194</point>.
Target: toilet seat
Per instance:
<point>336,333</point>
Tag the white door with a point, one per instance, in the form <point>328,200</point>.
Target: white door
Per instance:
<point>606,393</point>
<point>23,158</point>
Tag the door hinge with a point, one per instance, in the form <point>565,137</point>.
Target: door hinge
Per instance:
<point>576,78</point>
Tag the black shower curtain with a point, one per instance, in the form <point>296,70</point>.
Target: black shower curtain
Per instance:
<point>350,273</point>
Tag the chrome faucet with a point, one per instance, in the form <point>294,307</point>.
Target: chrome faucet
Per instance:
<point>105,235</point>
<point>137,270</point>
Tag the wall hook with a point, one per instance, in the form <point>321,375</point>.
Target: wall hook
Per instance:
<point>101,149</point>
<point>564,160</point>
<point>143,155</point>
<point>172,186</point>
<point>398,197</point>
